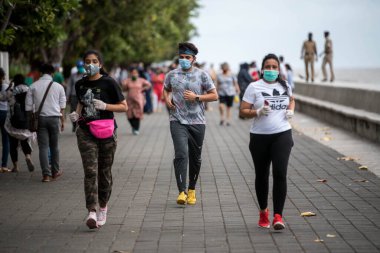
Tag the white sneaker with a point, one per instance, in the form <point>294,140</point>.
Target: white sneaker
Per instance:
<point>102,216</point>
<point>91,220</point>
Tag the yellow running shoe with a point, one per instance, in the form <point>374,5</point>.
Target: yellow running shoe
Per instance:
<point>181,200</point>
<point>191,200</point>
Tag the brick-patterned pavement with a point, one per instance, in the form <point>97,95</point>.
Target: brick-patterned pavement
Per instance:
<point>143,215</point>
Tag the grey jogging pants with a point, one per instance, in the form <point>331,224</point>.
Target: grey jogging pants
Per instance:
<point>187,141</point>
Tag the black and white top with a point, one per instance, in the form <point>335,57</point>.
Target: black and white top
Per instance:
<point>105,89</point>
<point>278,99</point>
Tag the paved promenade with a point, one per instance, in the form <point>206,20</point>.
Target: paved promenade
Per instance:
<point>143,215</point>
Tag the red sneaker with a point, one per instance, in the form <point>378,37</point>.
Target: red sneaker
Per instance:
<point>264,219</point>
<point>278,224</point>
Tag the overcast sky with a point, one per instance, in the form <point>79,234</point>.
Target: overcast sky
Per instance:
<point>244,30</point>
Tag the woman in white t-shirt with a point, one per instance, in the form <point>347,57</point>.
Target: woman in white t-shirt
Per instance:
<point>270,103</point>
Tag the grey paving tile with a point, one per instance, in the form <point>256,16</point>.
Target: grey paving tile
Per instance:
<point>144,217</point>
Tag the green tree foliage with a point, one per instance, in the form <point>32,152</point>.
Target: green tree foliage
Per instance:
<point>124,31</point>
<point>34,26</point>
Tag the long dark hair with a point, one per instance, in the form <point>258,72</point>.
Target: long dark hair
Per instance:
<point>100,59</point>
<point>279,79</point>
<point>18,79</point>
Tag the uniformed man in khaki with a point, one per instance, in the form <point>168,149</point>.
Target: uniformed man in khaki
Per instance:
<point>309,54</point>
<point>328,58</point>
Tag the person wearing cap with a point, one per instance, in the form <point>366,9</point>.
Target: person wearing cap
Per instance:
<point>186,88</point>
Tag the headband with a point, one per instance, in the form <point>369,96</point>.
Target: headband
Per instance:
<point>186,51</point>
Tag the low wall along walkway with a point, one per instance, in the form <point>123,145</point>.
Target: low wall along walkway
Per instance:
<point>352,107</point>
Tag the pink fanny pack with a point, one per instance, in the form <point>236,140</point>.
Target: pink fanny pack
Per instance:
<point>102,129</point>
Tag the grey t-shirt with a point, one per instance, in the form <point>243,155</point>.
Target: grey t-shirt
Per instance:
<point>226,85</point>
<point>196,80</point>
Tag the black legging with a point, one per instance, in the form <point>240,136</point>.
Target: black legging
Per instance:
<point>135,123</point>
<point>13,144</point>
<point>266,149</point>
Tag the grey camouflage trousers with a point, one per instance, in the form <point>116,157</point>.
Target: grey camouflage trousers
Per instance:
<point>97,158</point>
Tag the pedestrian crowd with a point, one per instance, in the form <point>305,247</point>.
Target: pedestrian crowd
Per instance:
<point>34,107</point>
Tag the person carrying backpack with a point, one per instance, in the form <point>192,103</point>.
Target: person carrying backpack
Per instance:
<point>17,125</point>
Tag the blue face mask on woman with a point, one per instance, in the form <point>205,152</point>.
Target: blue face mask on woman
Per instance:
<point>91,69</point>
<point>270,75</point>
<point>184,63</point>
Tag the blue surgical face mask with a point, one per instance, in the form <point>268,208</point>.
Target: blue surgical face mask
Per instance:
<point>91,69</point>
<point>185,63</point>
<point>270,75</point>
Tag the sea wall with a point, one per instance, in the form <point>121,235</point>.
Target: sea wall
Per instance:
<point>353,108</point>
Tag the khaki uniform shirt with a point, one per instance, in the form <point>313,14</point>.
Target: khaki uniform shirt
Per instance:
<point>310,48</point>
<point>328,46</point>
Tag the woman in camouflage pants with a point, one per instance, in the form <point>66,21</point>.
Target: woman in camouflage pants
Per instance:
<point>99,96</point>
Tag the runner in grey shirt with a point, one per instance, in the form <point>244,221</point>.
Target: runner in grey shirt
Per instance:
<point>227,88</point>
<point>184,90</point>
<point>180,81</point>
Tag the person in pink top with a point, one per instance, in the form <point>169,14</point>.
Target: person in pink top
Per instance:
<point>134,86</point>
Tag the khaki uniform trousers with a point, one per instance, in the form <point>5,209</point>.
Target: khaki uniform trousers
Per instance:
<point>328,60</point>
<point>309,60</point>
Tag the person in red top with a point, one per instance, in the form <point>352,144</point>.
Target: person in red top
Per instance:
<point>158,78</point>
<point>254,71</point>
<point>134,86</point>
<point>34,73</point>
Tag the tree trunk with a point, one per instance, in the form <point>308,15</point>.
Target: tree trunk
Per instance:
<point>44,55</point>
<point>56,54</point>
<point>7,17</point>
